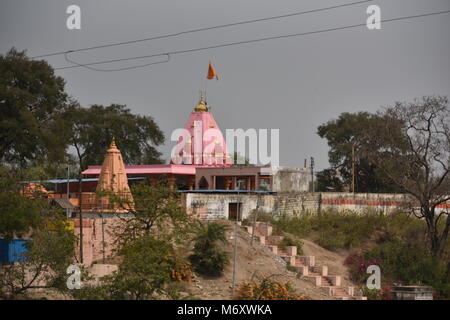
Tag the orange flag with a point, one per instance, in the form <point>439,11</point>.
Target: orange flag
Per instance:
<point>212,73</point>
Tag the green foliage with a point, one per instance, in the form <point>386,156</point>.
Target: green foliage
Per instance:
<point>18,214</point>
<point>48,256</point>
<point>412,265</point>
<point>92,129</point>
<point>347,229</point>
<point>261,216</point>
<point>372,294</point>
<point>289,241</point>
<point>328,181</point>
<point>341,134</point>
<point>144,273</point>
<point>267,288</point>
<point>156,210</point>
<point>207,257</point>
<point>299,224</point>
<point>32,100</point>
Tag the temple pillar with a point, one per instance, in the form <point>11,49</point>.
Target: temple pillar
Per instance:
<point>191,182</point>
<point>228,181</point>
<point>171,179</point>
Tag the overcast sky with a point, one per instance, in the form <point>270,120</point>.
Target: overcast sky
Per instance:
<point>292,84</point>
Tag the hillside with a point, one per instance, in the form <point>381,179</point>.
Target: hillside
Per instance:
<point>259,260</point>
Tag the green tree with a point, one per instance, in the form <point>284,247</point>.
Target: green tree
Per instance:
<point>328,180</point>
<point>342,134</point>
<point>92,129</point>
<point>207,257</point>
<point>49,253</point>
<point>48,256</point>
<point>411,145</point>
<point>32,100</point>
<point>150,243</point>
<point>18,214</point>
<point>155,210</point>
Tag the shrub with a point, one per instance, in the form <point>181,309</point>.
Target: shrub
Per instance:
<point>289,241</point>
<point>358,265</point>
<point>208,258</point>
<point>412,265</point>
<point>261,216</point>
<point>181,272</point>
<point>348,229</point>
<point>374,294</point>
<point>299,225</point>
<point>401,262</point>
<point>265,288</point>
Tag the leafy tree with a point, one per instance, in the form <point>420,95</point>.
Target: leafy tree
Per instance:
<point>327,180</point>
<point>18,213</point>
<point>144,271</point>
<point>411,145</point>
<point>150,242</point>
<point>92,129</point>
<point>32,99</point>
<point>49,253</point>
<point>343,133</point>
<point>48,256</point>
<point>155,210</point>
<point>207,257</point>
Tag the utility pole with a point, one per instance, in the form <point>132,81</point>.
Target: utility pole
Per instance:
<point>353,167</point>
<point>235,246</point>
<point>80,199</point>
<point>255,218</point>
<point>312,174</point>
<point>68,188</point>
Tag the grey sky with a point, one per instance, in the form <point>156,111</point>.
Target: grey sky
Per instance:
<point>292,84</point>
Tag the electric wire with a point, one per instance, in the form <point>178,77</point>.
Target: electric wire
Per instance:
<point>204,29</point>
<point>168,54</point>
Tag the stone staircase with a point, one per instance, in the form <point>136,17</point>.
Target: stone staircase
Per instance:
<point>304,265</point>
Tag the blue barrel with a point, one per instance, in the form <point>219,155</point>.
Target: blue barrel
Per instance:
<point>13,250</point>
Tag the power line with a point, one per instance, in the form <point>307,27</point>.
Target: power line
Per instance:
<point>119,69</point>
<point>204,29</point>
<point>78,65</point>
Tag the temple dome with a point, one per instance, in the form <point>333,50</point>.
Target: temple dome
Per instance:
<point>201,106</point>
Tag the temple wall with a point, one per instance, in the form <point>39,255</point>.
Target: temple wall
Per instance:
<point>97,237</point>
<point>291,179</point>
<point>214,206</point>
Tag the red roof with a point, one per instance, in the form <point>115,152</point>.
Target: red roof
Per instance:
<point>149,169</point>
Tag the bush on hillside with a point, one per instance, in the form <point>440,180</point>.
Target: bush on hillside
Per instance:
<point>266,288</point>
<point>261,216</point>
<point>208,258</point>
<point>402,263</point>
<point>289,241</point>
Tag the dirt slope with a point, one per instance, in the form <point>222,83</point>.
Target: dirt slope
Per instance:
<point>260,260</point>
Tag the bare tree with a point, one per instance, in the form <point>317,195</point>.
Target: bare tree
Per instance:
<point>412,146</point>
